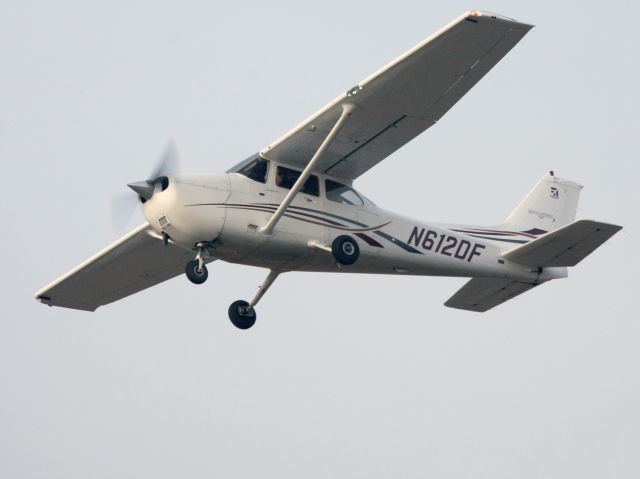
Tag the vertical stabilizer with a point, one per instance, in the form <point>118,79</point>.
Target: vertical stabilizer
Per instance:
<point>551,204</point>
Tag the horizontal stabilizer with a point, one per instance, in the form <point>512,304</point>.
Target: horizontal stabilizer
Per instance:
<point>566,246</point>
<point>482,294</point>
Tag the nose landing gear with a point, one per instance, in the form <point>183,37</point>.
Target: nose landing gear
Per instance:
<point>195,273</point>
<point>196,270</point>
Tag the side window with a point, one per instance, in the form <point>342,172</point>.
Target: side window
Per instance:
<point>286,177</point>
<point>256,170</point>
<point>342,193</point>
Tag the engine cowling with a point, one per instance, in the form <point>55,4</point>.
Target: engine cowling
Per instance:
<point>190,209</point>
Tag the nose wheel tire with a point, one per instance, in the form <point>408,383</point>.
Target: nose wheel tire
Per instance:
<point>345,250</point>
<point>240,316</point>
<point>196,274</point>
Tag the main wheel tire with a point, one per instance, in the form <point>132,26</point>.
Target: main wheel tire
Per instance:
<point>345,250</point>
<point>240,319</point>
<point>195,274</point>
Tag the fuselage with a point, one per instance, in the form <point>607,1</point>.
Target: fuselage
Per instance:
<point>226,211</point>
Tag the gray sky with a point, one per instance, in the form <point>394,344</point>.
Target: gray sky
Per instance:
<point>342,376</point>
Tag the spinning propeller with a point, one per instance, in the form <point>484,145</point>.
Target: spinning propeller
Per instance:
<point>123,206</point>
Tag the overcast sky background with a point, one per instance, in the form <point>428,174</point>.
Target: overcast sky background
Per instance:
<point>342,376</point>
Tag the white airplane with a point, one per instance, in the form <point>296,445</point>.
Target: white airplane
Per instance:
<point>292,206</point>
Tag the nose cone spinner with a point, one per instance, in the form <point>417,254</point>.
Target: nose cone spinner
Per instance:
<point>144,189</point>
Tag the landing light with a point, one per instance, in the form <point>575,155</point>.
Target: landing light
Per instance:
<point>354,90</point>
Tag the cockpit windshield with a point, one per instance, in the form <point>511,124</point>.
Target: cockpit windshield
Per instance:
<point>340,193</point>
<point>256,170</point>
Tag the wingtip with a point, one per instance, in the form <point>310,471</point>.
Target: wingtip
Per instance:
<point>41,298</point>
<point>475,14</point>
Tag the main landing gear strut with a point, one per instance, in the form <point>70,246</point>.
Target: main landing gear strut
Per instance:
<point>242,314</point>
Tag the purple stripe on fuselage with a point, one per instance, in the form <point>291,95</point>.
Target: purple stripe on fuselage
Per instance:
<point>369,240</point>
<point>535,231</point>
<point>532,233</point>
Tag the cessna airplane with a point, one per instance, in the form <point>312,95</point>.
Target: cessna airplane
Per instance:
<point>293,207</point>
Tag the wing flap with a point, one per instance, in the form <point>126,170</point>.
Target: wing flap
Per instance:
<point>381,145</point>
<point>135,262</point>
<point>420,86</point>
<point>482,294</point>
<point>566,246</point>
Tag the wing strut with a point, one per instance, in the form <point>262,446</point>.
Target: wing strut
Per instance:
<point>267,229</point>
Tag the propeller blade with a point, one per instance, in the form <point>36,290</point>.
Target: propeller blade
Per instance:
<point>122,208</point>
<point>168,163</point>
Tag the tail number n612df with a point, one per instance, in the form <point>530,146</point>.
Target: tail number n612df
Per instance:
<point>444,244</point>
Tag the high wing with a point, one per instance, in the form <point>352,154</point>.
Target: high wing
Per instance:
<point>135,262</point>
<point>404,98</point>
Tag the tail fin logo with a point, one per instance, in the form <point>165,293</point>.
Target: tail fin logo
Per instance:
<point>555,193</point>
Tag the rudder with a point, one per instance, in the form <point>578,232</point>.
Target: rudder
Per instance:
<point>551,204</point>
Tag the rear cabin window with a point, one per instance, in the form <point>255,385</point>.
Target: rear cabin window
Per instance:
<point>256,170</point>
<point>340,193</point>
<point>286,178</point>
